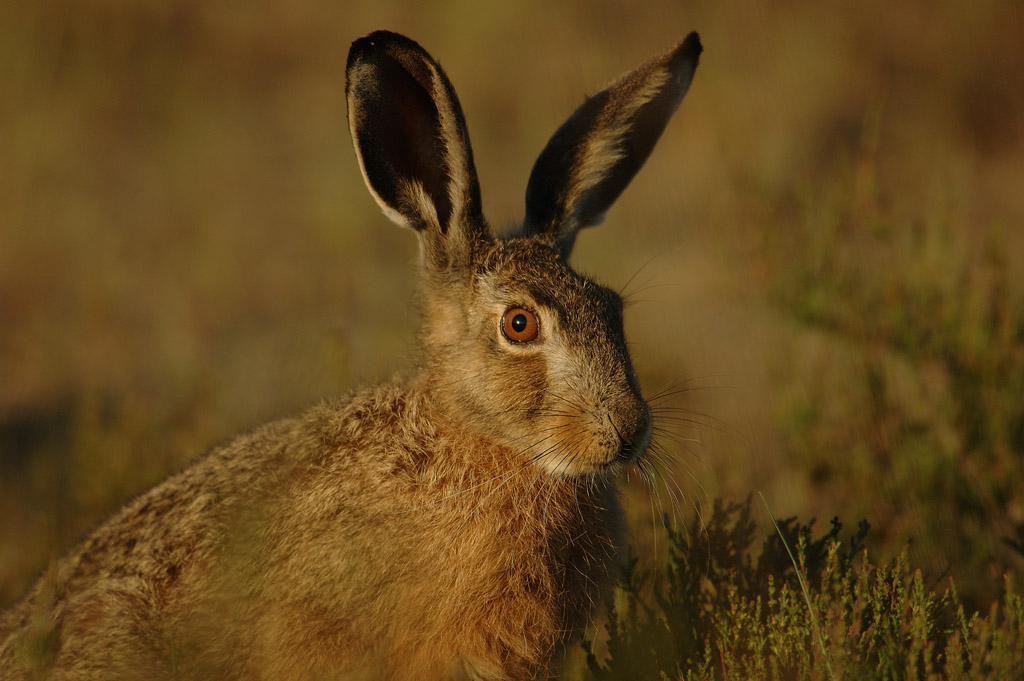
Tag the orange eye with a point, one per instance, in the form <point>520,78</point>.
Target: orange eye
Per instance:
<point>519,325</point>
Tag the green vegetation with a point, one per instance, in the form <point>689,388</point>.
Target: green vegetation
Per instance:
<point>836,292</point>
<point>718,613</point>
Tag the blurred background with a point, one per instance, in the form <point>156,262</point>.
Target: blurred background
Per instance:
<point>823,254</point>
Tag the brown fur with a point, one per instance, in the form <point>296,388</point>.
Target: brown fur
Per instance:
<point>369,531</point>
<point>460,521</point>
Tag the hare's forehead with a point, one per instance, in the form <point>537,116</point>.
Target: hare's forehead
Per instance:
<point>523,271</point>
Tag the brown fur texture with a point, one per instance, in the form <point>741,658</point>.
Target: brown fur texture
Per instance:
<point>457,522</point>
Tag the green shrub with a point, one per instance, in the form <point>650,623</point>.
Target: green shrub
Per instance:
<point>724,609</point>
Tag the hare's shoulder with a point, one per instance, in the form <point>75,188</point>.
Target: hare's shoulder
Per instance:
<point>283,474</point>
<point>189,510</point>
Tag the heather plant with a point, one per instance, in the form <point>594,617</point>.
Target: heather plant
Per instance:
<point>727,606</point>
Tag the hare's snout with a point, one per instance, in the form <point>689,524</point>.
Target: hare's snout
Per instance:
<point>615,429</point>
<point>634,431</point>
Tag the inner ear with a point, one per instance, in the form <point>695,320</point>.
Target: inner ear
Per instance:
<point>401,146</point>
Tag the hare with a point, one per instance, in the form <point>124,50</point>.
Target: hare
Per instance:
<point>459,521</point>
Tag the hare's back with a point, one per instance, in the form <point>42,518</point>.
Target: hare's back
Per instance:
<point>211,552</point>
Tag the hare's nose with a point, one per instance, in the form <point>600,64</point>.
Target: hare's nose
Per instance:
<point>633,424</point>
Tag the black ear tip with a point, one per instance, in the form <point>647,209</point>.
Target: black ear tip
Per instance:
<point>691,47</point>
<point>379,41</point>
<point>379,37</point>
<point>360,48</point>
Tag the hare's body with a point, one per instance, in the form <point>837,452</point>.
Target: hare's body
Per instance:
<point>460,522</point>
<point>326,545</point>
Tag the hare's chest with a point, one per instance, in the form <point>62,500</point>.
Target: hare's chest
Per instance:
<point>511,579</point>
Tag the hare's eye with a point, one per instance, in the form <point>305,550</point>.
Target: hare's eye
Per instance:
<point>519,325</point>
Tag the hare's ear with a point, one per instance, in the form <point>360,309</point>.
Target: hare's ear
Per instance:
<point>594,155</point>
<point>411,141</point>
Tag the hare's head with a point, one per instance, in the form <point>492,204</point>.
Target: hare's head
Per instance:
<point>519,345</point>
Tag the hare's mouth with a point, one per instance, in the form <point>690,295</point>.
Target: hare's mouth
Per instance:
<point>629,453</point>
<point>593,443</point>
<point>631,450</point>
<point>605,460</point>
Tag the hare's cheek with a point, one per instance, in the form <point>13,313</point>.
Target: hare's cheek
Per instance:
<point>515,388</point>
<point>563,441</point>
